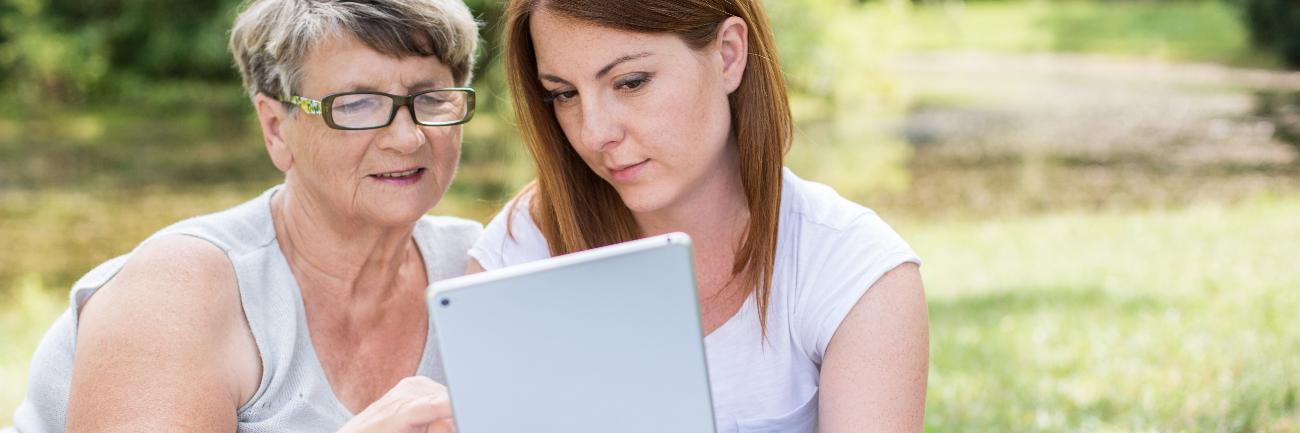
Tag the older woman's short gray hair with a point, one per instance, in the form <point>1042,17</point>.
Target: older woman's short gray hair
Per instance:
<point>272,38</point>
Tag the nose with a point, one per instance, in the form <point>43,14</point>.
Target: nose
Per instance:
<point>403,135</point>
<point>602,128</point>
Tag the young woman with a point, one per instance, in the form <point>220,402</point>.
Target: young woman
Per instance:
<point>647,117</point>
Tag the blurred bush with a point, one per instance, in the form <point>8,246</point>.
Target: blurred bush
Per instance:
<point>72,49</point>
<point>106,49</point>
<point>1275,25</point>
<point>838,57</point>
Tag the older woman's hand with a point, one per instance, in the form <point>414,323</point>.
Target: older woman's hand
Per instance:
<point>417,404</point>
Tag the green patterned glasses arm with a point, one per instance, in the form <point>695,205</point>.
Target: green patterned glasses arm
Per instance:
<point>309,106</point>
<point>371,110</point>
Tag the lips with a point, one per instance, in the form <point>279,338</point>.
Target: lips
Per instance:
<point>623,167</point>
<point>626,172</point>
<point>400,177</point>
<point>399,174</point>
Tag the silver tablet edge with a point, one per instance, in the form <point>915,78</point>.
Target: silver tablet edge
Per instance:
<point>451,284</point>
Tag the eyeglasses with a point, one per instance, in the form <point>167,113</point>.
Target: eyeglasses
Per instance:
<point>370,110</point>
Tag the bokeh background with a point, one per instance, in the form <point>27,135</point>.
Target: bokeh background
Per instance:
<point>1106,192</point>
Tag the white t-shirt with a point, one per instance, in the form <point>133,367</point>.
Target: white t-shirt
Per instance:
<point>829,252</point>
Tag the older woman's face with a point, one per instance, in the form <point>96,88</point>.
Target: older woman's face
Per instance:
<point>646,112</point>
<point>388,176</point>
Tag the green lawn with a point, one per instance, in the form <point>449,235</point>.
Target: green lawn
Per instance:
<point>1175,320</point>
<point>1141,321</point>
<point>1198,30</point>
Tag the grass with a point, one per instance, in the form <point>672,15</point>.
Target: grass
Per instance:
<point>25,312</point>
<point>1133,321</point>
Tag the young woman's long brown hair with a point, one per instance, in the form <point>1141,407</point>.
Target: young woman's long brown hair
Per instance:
<point>576,209</point>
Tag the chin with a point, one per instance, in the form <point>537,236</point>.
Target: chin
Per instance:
<point>645,199</point>
<point>394,219</point>
<point>401,213</point>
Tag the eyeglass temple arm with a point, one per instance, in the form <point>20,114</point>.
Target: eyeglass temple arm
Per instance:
<point>311,106</point>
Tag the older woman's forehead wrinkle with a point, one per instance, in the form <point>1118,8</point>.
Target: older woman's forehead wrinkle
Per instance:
<point>347,65</point>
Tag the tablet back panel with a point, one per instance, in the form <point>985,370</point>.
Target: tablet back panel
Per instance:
<point>606,340</point>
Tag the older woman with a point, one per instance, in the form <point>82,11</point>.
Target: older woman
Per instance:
<point>652,116</point>
<point>305,305</point>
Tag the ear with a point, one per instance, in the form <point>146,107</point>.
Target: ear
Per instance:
<point>272,115</point>
<point>732,42</point>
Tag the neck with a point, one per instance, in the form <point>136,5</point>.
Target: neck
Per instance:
<point>715,214</point>
<point>340,257</point>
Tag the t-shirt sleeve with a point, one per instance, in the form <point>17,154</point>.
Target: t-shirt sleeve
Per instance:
<point>447,239</point>
<point>838,266</point>
<point>510,238</point>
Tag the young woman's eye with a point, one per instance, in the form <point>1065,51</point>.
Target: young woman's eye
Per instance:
<point>634,82</point>
<point>559,96</point>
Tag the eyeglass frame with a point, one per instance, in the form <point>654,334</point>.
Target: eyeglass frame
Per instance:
<point>324,107</point>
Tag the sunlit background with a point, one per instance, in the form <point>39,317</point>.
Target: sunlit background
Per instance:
<point>1106,194</point>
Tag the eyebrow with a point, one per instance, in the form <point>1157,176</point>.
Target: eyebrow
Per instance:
<point>602,71</point>
<point>422,84</point>
<point>419,85</point>
<point>355,87</point>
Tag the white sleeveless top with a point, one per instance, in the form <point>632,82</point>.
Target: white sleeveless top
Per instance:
<point>294,393</point>
<point>829,252</point>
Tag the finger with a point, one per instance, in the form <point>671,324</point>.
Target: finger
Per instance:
<point>442,425</point>
<point>415,386</point>
<point>420,412</point>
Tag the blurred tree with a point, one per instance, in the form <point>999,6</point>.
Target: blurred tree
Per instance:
<point>837,56</point>
<point>40,58</point>
<point>71,48</point>
<point>1275,25</point>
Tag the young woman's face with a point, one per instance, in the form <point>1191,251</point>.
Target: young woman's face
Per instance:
<point>646,112</point>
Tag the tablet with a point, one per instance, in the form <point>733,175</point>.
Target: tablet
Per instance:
<point>604,340</point>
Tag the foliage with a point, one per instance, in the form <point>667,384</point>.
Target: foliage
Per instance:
<point>41,60</point>
<point>1275,25</point>
<point>71,49</point>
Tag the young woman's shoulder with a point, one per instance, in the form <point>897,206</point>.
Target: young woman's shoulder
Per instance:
<point>841,249</point>
<point>511,237</point>
<point>445,240</point>
<point>450,232</point>
<point>817,209</point>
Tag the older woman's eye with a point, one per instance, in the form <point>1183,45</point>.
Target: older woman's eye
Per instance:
<point>355,104</point>
<point>431,99</point>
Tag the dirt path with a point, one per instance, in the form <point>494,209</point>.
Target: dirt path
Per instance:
<point>1013,133</point>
